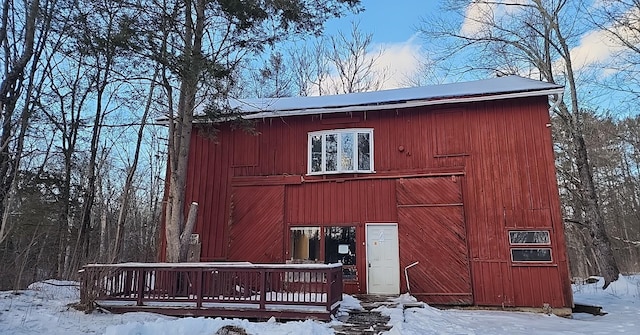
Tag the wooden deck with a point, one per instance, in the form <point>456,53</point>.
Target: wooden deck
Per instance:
<point>285,291</point>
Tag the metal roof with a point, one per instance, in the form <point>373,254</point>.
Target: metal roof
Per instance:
<point>479,90</point>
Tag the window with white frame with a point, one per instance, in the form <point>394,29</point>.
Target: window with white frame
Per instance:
<point>341,151</point>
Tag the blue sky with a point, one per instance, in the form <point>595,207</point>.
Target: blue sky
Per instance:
<point>393,26</point>
<point>404,52</point>
<point>389,21</point>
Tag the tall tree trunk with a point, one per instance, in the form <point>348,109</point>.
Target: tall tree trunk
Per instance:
<point>10,89</point>
<point>602,245</point>
<point>180,129</point>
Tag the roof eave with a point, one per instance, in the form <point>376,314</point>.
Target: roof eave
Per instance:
<point>404,104</point>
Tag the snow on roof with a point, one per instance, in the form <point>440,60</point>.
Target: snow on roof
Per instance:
<point>488,89</point>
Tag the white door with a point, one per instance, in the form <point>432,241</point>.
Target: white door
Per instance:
<point>383,261</point>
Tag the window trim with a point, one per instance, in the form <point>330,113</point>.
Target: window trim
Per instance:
<point>533,261</point>
<point>528,231</point>
<point>530,246</point>
<point>339,132</point>
<point>322,238</point>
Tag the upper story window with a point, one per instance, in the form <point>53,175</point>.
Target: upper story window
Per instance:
<point>341,151</point>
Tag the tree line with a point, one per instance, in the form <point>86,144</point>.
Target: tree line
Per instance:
<point>83,162</point>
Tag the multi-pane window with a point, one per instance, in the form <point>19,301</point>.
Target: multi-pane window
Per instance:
<point>530,245</point>
<point>341,151</point>
<point>339,247</point>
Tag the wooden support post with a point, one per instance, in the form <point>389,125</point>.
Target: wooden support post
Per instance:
<point>263,288</point>
<point>198,282</point>
<point>140,277</point>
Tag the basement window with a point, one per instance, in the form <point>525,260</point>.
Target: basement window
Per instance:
<point>340,151</point>
<point>526,246</point>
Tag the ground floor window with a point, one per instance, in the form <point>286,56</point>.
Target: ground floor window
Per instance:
<point>339,247</point>
<point>305,244</point>
<point>530,245</point>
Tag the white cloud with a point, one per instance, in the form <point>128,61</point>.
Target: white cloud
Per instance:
<point>601,46</point>
<point>595,47</point>
<point>395,64</point>
<point>480,14</point>
<point>399,61</point>
<point>477,14</point>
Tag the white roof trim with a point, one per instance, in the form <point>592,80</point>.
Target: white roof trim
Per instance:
<point>492,89</point>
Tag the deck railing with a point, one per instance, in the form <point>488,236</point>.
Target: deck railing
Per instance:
<point>215,289</point>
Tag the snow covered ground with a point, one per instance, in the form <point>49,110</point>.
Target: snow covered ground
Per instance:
<point>42,309</point>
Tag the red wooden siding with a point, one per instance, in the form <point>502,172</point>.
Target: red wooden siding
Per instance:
<point>357,201</point>
<point>247,153</point>
<point>432,229</point>
<point>510,183</point>
<point>500,153</point>
<point>255,227</point>
<point>208,185</point>
<point>450,136</point>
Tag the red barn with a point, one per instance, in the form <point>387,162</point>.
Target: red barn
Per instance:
<point>448,191</point>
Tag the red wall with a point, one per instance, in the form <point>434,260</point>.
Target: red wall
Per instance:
<point>501,151</point>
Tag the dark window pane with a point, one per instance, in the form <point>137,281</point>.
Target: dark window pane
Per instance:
<point>529,237</point>
<point>331,149</point>
<point>340,247</point>
<point>316,153</point>
<point>531,255</point>
<point>364,152</point>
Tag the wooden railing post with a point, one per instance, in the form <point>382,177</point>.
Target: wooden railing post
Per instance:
<point>263,288</point>
<point>199,280</point>
<point>296,287</point>
<point>140,277</point>
<point>329,287</point>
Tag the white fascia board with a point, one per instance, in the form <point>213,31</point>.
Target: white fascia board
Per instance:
<point>407,104</point>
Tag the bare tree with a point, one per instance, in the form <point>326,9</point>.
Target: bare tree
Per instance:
<point>126,193</point>
<point>533,38</point>
<point>354,61</point>
<point>617,21</point>
<point>199,43</point>
<point>310,68</point>
<point>22,43</point>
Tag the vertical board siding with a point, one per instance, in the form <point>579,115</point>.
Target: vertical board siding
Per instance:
<point>508,176</point>
<point>450,136</point>
<point>503,148</point>
<point>357,201</point>
<point>207,184</point>
<point>345,203</point>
